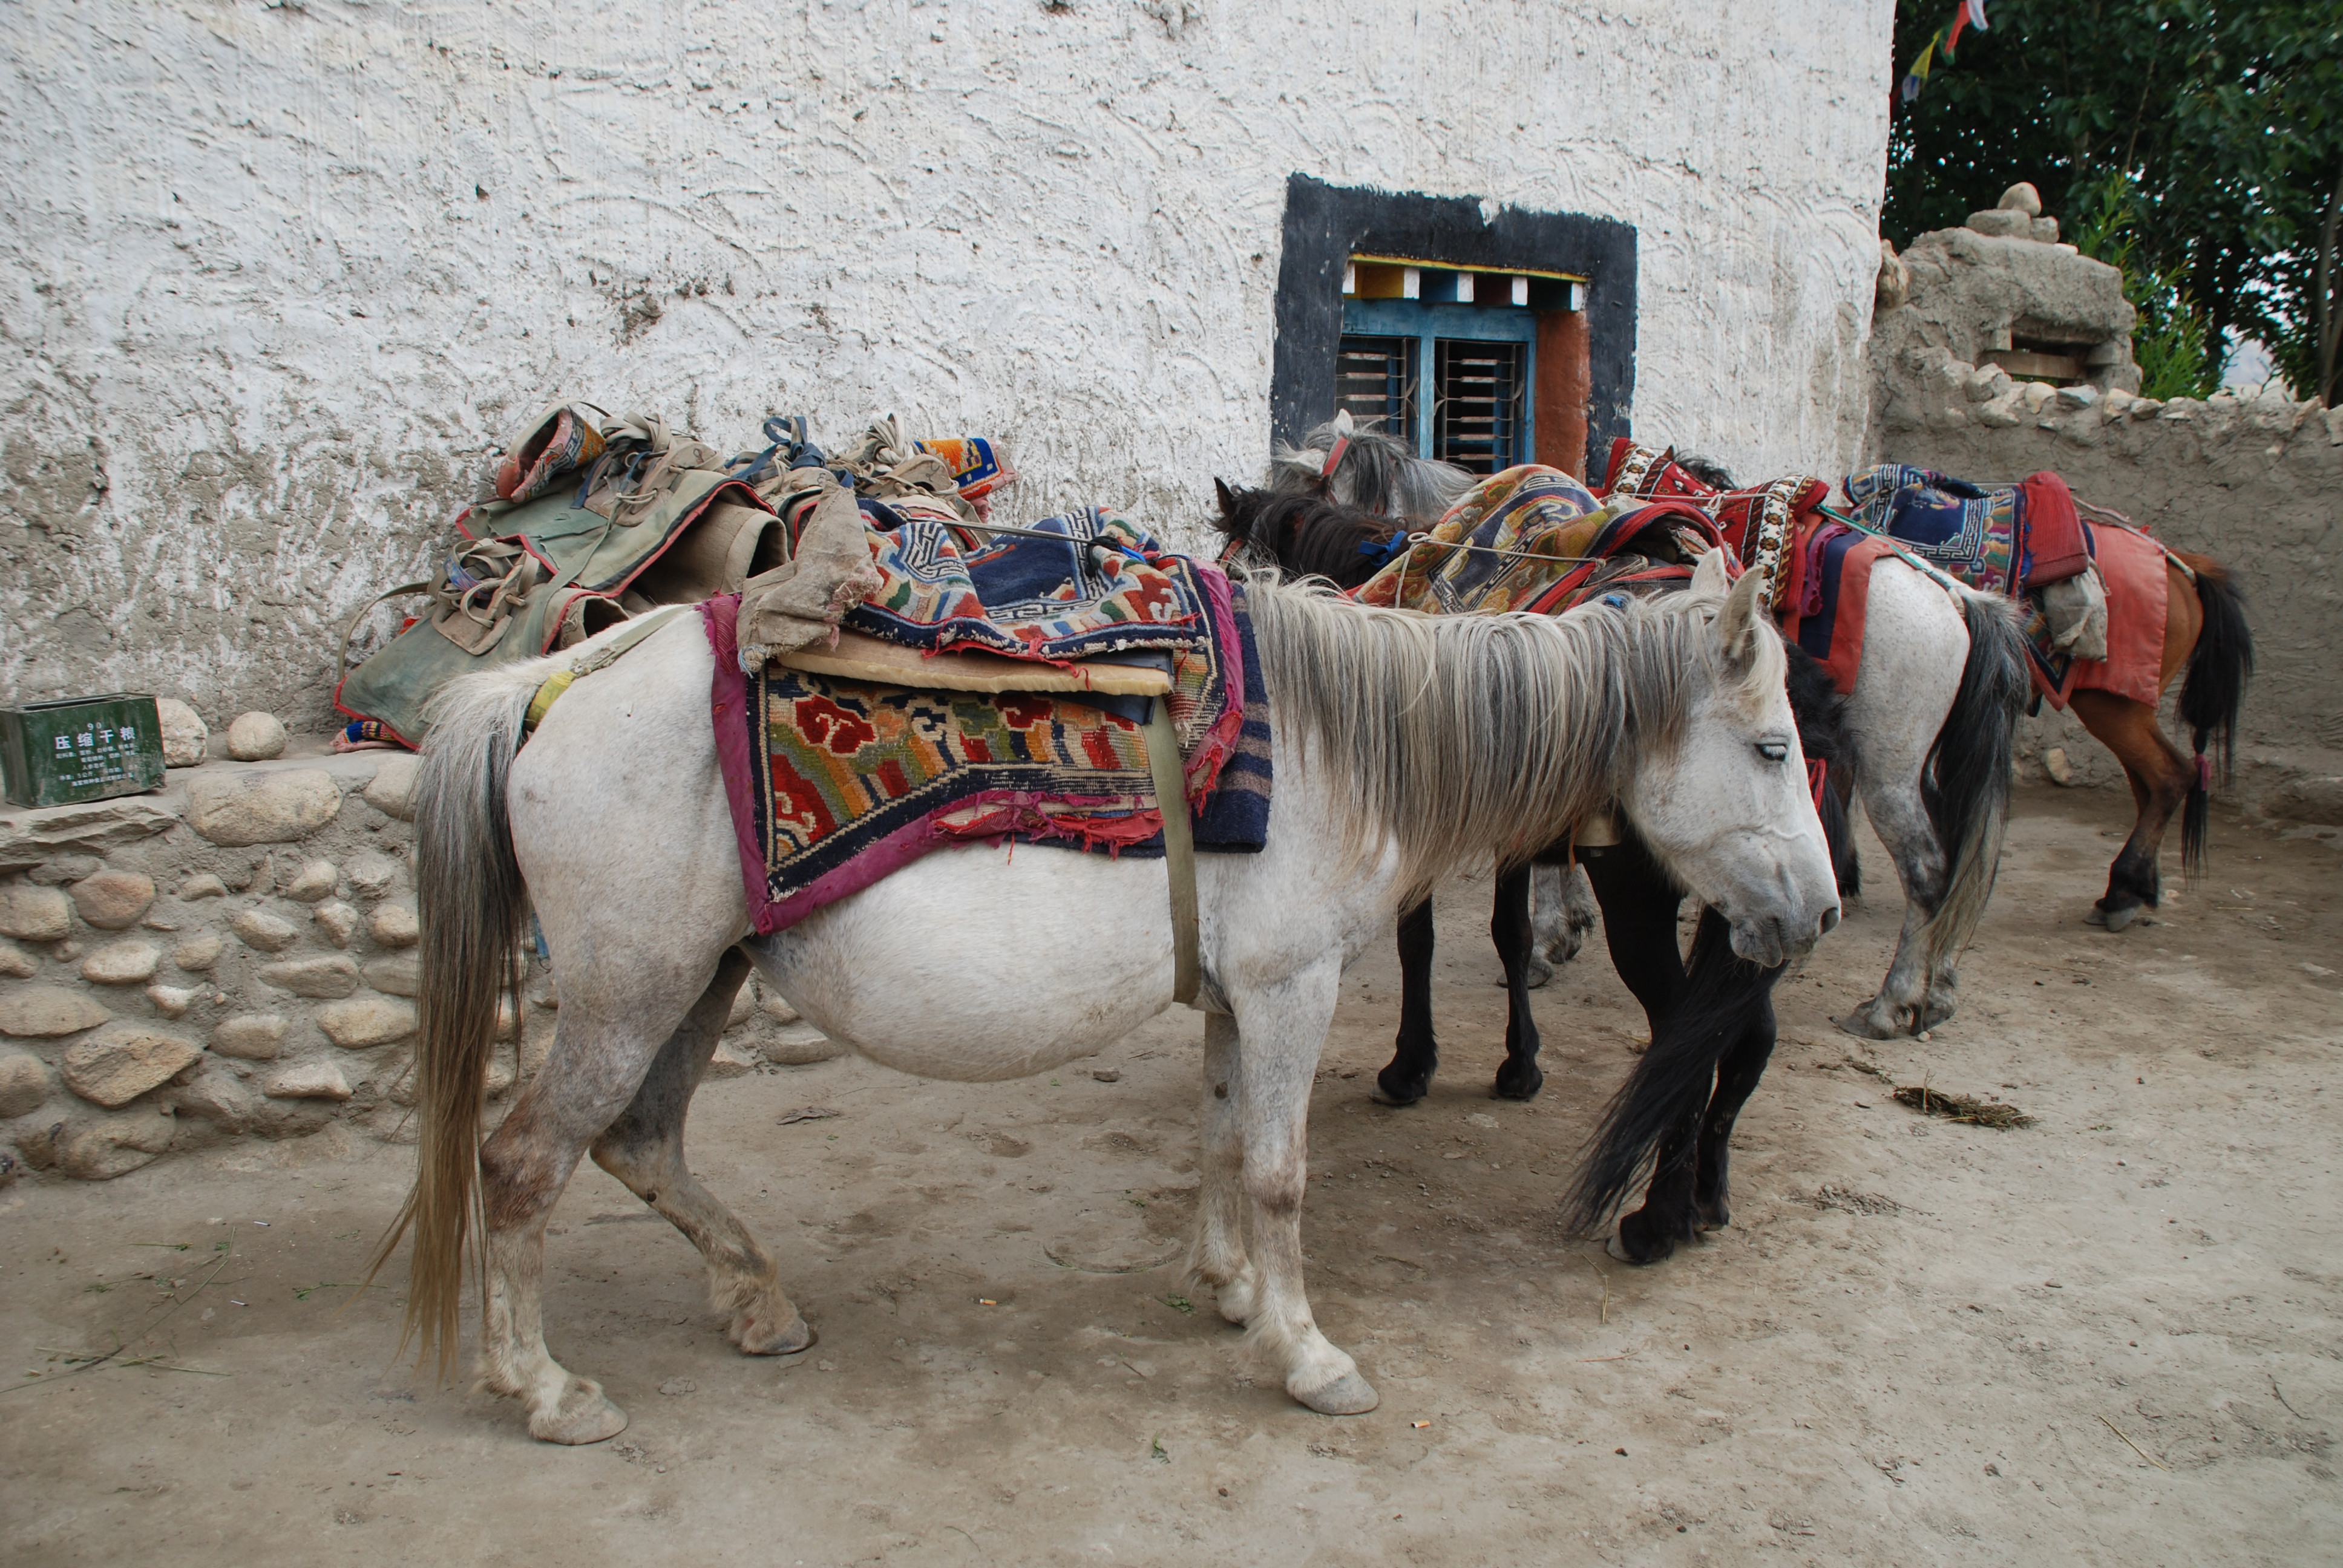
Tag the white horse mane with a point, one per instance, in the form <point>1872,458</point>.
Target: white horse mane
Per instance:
<point>1461,738</point>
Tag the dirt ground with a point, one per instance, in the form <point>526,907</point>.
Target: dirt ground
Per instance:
<point>2107,1337</point>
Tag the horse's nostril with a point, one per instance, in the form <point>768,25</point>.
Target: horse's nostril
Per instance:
<point>1830,919</point>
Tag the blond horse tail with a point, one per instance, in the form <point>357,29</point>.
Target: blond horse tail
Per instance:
<point>471,904</point>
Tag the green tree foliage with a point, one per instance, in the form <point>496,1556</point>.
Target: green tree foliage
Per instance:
<point>2203,139</point>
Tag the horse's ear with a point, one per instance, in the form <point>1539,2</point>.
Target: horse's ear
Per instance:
<point>1228,497</point>
<point>1709,580</point>
<point>1736,624</point>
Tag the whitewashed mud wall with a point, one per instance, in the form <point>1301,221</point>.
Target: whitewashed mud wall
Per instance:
<point>273,275</point>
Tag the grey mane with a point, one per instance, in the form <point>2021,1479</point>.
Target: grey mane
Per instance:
<point>1470,738</point>
<point>1379,472</point>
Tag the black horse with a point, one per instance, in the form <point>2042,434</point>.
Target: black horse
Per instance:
<point>1711,1016</point>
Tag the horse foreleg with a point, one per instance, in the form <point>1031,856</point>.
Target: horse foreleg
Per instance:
<point>1736,1079</point>
<point>1415,1054</point>
<point>600,1056</point>
<point>1518,1076</point>
<point>2159,776</point>
<point>644,1149</point>
<point>1217,1257</point>
<point>1284,1027</point>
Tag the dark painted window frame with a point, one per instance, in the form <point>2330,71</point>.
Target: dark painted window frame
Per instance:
<point>1326,225</point>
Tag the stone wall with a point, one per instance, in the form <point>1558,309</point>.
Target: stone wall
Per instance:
<point>235,956</point>
<point>2255,482</point>
<point>274,277</point>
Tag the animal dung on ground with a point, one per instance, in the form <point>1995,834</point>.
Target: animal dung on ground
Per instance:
<point>807,1113</point>
<point>1962,1107</point>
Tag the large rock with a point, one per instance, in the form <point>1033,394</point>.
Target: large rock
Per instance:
<point>185,733</point>
<point>23,1083</point>
<point>29,838</point>
<point>255,737</point>
<point>371,874</point>
<point>113,901</point>
<point>46,1011</point>
<point>217,1095</point>
<point>237,809</point>
<point>270,933</point>
<point>393,925</point>
<point>2021,197</point>
<point>337,921</point>
<point>173,1000</point>
<point>395,974</point>
<point>198,952</point>
<point>2001,223</point>
<point>101,1150</point>
<point>15,963</point>
<point>329,976</point>
<point>309,1080</point>
<point>392,790</point>
<point>124,1060</point>
<point>122,963</point>
<point>366,1021</point>
<point>34,914</point>
<point>315,880</point>
<point>250,1037</point>
<point>206,886</point>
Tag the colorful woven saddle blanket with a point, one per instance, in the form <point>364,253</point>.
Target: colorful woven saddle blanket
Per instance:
<point>2010,539</point>
<point>833,783</point>
<point>1534,538</point>
<point>1830,582</point>
<point>1108,587</point>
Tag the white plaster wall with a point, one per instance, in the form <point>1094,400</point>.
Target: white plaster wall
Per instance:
<point>272,276</point>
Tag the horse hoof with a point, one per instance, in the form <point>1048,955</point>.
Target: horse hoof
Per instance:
<point>582,1416</point>
<point>1383,1093</point>
<point>1611,1245</point>
<point>2116,920</point>
<point>1862,1026</point>
<point>1511,1086</point>
<point>2094,916</point>
<point>762,1337</point>
<point>1535,972</point>
<point>1348,1394</point>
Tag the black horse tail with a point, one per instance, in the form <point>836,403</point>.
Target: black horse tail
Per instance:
<point>2210,696</point>
<point>1965,784</point>
<point>1722,995</point>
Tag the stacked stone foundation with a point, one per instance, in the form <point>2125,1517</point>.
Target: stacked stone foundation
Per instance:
<point>234,957</point>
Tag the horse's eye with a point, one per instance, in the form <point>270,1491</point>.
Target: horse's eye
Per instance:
<point>1773,751</point>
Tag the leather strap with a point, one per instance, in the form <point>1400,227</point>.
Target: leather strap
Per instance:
<point>587,663</point>
<point>1179,849</point>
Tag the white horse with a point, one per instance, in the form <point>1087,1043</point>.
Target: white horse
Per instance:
<point>1933,717</point>
<point>1405,745</point>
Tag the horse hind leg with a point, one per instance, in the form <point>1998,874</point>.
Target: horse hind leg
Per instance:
<point>1901,1006</point>
<point>2159,776</point>
<point>603,1049</point>
<point>1217,1256</point>
<point>1562,917</point>
<point>644,1149</point>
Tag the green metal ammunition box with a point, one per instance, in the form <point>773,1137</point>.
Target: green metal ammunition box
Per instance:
<point>80,748</point>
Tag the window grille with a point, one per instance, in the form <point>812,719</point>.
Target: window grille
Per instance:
<point>1375,380</point>
<point>1477,404</point>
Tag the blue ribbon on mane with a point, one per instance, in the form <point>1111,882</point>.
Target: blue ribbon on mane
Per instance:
<point>1390,550</point>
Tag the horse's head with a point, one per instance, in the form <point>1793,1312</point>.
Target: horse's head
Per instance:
<point>1727,805</point>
